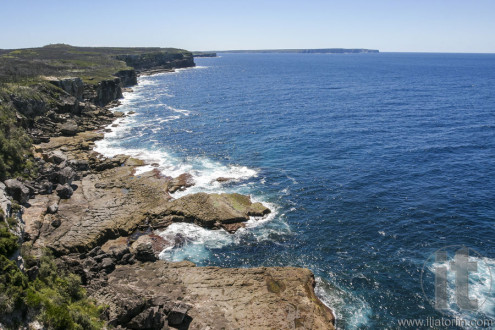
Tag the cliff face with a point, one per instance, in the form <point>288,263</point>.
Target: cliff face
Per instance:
<point>127,77</point>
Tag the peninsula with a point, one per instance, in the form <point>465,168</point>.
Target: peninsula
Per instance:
<point>77,242</point>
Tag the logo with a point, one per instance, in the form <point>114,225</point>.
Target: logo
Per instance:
<point>452,276</point>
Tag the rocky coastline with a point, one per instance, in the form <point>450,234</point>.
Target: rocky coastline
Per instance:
<point>98,218</point>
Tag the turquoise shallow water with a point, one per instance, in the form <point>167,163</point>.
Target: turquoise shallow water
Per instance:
<point>371,162</point>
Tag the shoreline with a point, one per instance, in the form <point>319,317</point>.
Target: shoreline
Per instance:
<point>107,246</point>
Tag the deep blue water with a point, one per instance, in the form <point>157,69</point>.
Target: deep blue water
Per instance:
<point>371,162</point>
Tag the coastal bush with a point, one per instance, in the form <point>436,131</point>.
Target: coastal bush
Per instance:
<point>54,297</point>
<point>15,146</point>
<point>8,241</point>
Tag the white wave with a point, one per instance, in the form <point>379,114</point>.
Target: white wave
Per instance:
<point>192,242</point>
<point>205,173</point>
<point>182,111</point>
<point>167,119</point>
<point>350,312</point>
<point>192,68</point>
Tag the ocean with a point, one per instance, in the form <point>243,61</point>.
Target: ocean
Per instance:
<point>369,162</point>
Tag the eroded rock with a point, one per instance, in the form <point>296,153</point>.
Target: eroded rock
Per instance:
<point>210,297</point>
<point>212,210</point>
<point>64,191</point>
<point>17,190</point>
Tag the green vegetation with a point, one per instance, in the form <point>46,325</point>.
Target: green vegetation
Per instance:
<point>8,241</point>
<point>15,146</point>
<point>54,297</point>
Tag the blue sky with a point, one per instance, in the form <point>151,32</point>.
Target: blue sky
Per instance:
<point>387,25</point>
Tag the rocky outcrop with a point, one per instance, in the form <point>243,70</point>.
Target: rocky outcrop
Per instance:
<point>211,211</point>
<point>183,181</point>
<point>160,294</point>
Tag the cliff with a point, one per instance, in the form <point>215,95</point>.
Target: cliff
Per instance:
<point>96,219</point>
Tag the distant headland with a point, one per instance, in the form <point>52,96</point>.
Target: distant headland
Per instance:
<point>309,51</point>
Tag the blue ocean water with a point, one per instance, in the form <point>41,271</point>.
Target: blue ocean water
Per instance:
<point>371,162</point>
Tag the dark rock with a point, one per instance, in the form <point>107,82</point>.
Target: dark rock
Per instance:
<point>127,77</point>
<point>89,264</point>
<point>65,175</point>
<point>177,314</point>
<point>32,273</point>
<point>45,187</point>
<point>108,264</point>
<point>104,92</point>
<point>17,190</point>
<point>94,251</point>
<point>80,164</point>
<point>64,191</point>
<point>70,128</point>
<point>56,223</point>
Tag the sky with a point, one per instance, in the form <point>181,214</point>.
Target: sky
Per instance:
<point>387,25</point>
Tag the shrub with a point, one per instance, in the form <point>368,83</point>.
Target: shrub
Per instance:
<point>8,241</point>
<point>55,298</point>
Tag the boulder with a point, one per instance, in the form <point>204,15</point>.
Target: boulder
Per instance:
<point>70,128</point>
<point>17,190</point>
<point>64,191</point>
<point>107,264</point>
<point>52,206</point>
<point>116,247</point>
<point>65,175</point>
<point>149,247</point>
<point>56,157</point>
